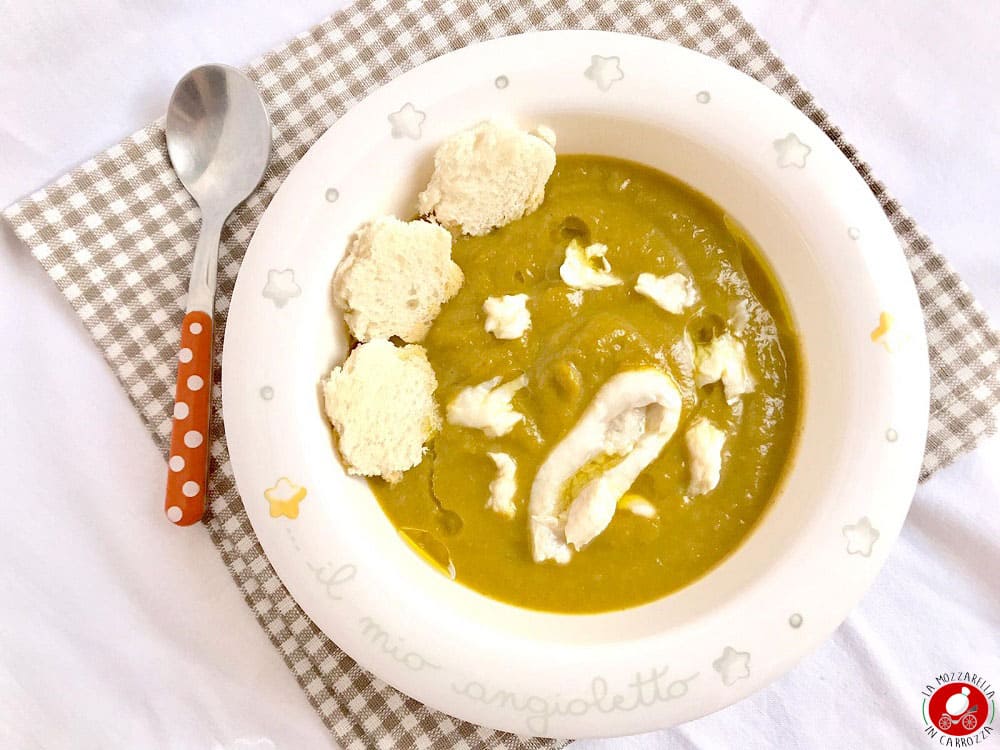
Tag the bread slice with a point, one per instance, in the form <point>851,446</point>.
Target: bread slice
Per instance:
<point>488,176</point>
<point>381,403</point>
<point>394,278</point>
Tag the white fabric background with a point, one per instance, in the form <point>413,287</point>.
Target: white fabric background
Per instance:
<point>120,631</point>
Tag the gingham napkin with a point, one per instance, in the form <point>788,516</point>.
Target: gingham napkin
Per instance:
<point>117,234</point>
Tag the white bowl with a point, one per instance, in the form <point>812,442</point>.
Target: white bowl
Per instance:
<point>814,552</point>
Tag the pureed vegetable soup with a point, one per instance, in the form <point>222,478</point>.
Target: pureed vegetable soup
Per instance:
<point>650,223</point>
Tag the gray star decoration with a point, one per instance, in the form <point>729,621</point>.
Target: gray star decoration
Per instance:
<point>791,151</point>
<point>733,665</point>
<point>281,286</point>
<point>407,122</point>
<point>861,537</point>
<point>604,71</point>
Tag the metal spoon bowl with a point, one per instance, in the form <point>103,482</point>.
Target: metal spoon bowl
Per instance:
<point>219,142</point>
<point>218,135</point>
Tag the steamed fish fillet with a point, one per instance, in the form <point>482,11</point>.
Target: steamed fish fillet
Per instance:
<point>556,526</point>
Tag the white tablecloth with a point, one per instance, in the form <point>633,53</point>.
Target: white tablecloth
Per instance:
<point>120,631</point>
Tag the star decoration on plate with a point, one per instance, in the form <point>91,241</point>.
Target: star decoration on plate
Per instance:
<point>281,286</point>
<point>733,665</point>
<point>604,71</point>
<point>887,333</point>
<point>284,498</point>
<point>861,537</point>
<point>791,151</point>
<point>407,122</point>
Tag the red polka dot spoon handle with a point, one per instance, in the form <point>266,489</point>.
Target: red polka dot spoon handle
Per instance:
<point>187,475</point>
<point>219,141</point>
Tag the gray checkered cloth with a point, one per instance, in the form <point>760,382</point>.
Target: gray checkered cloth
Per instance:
<point>117,235</point>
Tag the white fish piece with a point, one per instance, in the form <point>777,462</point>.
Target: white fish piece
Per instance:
<point>578,268</point>
<point>724,358</point>
<point>624,432</point>
<point>554,526</point>
<point>504,487</point>
<point>487,406</point>
<point>673,293</point>
<point>507,317</point>
<point>548,541</point>
<point>704,443</point>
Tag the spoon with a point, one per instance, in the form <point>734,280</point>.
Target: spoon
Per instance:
<point>219,142</point>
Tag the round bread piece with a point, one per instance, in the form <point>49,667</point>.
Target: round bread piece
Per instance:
<point>394,278</point>
<point>488,176</point>
<point>381,403</point>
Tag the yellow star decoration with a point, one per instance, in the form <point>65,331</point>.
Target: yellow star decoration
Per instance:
<point>885,333</point>
<point>284,498</point>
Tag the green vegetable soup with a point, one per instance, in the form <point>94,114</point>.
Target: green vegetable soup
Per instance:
<point>650,223</point>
